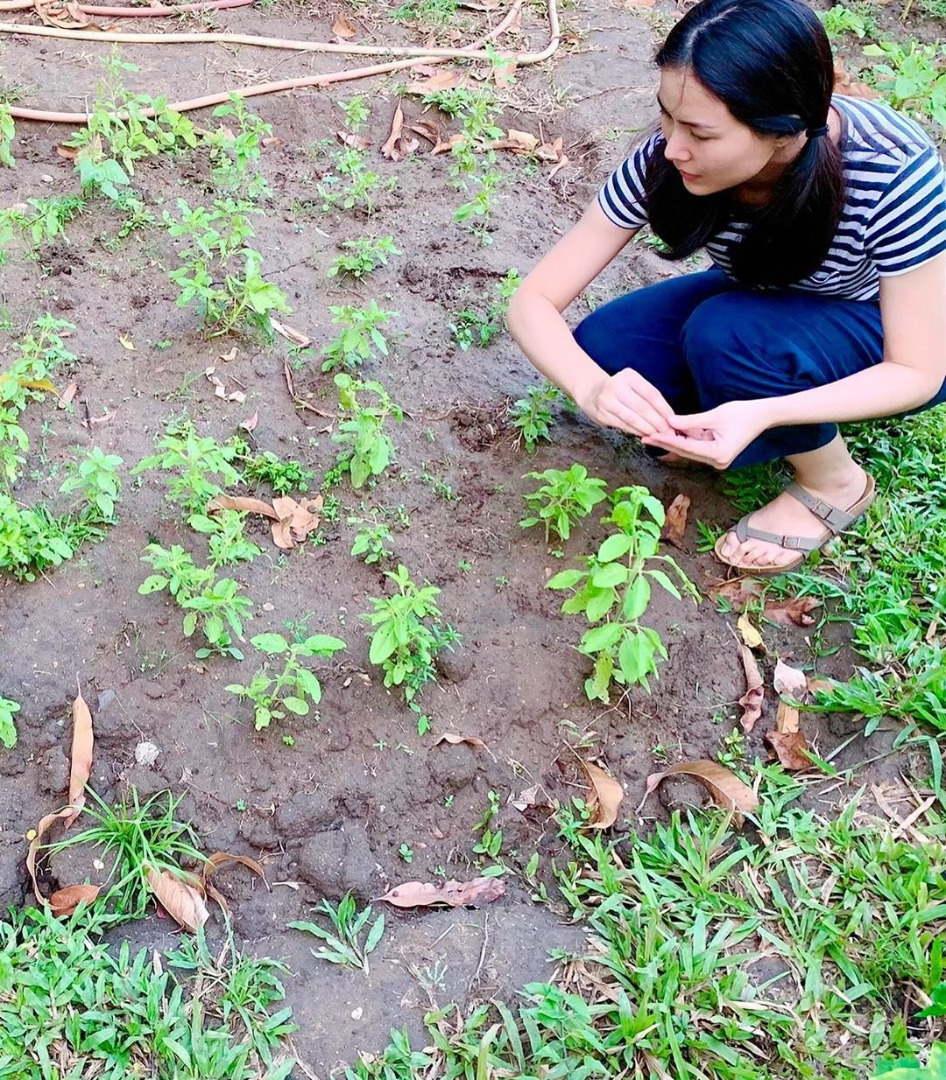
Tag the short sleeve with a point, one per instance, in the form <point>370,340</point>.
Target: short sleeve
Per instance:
<point>908,225</point>
<point>622,198</point>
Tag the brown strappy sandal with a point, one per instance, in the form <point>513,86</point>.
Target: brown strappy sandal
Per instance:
<point>835,520</point>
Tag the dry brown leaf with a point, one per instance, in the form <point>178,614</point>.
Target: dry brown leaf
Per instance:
<point>793,612</point>
<point>787,720</point>
<point>427,129</point>
<point>751,700</point>
<point>103,419</point>
<point>224,858</point>
<point>446,145</point>
<point>68,394</point>
<point>294,520</point>
<point>290,333</point>
<point>519,142</point>
<point>749,634</point>
<point>791,681</point>
<point>738,591</point>
<point>349,138</point>
<point>180,898</point>
<point>789,747</point>
<point>126,343</point>
<point>639,3</point>
<point>607,796</point>
<point>36,842</point>
<point>65,901</point>
<point>82,742</point>
<point>726,789</point>
<point>455,740</point>
<point>342,28</point>
<point>433,78</point>
<point>282,535</point>
<point>676,523</point>
<point>845,83</point>
<point>70,153</point>
<point>250,425</point>
<point>819,685</point>
<point>67,16</point>
<point>551,152</point>
<point>241,502</point>
<point>481,890</point>
<point>526,798</point>
<point>390,148</point>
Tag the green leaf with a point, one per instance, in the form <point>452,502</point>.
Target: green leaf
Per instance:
<point>661,578</point>
<point>383,643</point>
<point>152,584</point>
<point>635,658</point>
<point>296,705</point>
<point>614,547</point>
<point>309,684</point>
<point>637,598</point>
<point>6,974</point>
<point>599,604</point>
<point>610,575</point>
<point>565,579</point>
<point>601,637</point>
<point>323,645</point>
<point>374,935</point>
<point>190,623</point>
<point>270,643</point>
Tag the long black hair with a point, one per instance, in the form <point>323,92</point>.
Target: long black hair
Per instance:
<point>770,63</point>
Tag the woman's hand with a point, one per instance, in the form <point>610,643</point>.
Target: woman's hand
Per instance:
<point>627,401</point>
<point>715,437</point>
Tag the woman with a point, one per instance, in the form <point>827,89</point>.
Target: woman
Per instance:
<point>826,219</point>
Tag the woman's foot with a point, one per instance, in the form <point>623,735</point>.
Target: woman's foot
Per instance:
<point>786,516</point>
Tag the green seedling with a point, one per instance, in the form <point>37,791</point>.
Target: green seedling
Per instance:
<point>363,255</point>
<point>284,477</point>
<point>532,414</point>
<point>912,79</point>
<point>407,633</point>
<point>237,146</point>
<point>137,216</point>
<point>432,13</point>
<point>7,135</point>
<point>406,853</point>
<point>352,185</point>
<point>8,711</point>
<point>295,689</point>
<point>44,220</point>
<point>32,540</point>
<point>226,543</point>
<point>480,325</point>
<point>95,475</point>
<point>563,499</point>
<point>615,587</point>
<point>369,450</point>
<point>360,338</point>
<point>841,20</point>
<point>188,463</point>
<point>490,842</point>
<point>343,942</point>
<point>371,541</point>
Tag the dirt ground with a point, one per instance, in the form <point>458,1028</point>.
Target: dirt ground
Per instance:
<point>329,814</point>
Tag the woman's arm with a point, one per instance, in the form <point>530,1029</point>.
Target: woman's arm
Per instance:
<point>626,400</point>
<point>913,312</point>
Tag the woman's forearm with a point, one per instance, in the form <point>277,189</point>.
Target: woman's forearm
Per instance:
<point>886,389</point>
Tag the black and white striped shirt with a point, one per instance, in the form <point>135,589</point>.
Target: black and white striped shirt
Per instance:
<point>894,216</point>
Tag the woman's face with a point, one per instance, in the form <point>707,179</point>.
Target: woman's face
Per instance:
<point>711,149</point>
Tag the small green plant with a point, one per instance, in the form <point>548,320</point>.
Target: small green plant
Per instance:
<point>45,220</point>
<point>368,448</point>
<point>406,853</point>
<point>479,325</point>
<point>532,415</point>
<point>226,542</point>
<point>95,475</point>
<point>912,78</point>
<point>357,113</point>
<point>913,1069</point>
<point>295,689</point>
<point>363,255</point>
<point>407,633</point>
<point>371,540</point>
<point>733,749</point>
<point>360,338</point>
<point>343,942</point>
<point>490,843</point>
<point>615,586</point>
<point>431,13</point>
<point>841,20</point>
<point>351,184</point>
<point>472,159</point>
<point>8,711</point>
<point>284,477</point>
<point>236,148</point>
<point>7,135</point>
<point>187,463</point>
<point>564,498</point>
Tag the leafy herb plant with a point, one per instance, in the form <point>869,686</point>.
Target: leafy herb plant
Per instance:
<point>564,498</point>
<point>363,255</point>
<point>532,415</point>
<point>345,943</point>
<point>369,449</point>
<point>8,711</point>
<point>360,338</point>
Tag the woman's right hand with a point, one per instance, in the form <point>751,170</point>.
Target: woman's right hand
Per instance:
<point>628,402</point>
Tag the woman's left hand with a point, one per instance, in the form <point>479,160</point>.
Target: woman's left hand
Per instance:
<point>715,437</point>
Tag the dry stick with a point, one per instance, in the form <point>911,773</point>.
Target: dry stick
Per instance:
<point>299,83</point>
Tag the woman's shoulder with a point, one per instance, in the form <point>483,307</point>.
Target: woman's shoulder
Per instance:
<point>875,130</point>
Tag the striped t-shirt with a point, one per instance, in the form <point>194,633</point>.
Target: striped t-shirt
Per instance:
<point>894,215</point>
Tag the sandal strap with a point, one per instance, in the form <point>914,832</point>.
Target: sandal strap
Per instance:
<point>834,518</point>
<point>806,544</point>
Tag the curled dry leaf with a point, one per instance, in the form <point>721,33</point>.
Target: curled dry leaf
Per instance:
<point>789,747</point>
<point>787,719</point>
<point>65,901</point>
<point>751,700</point>
<point>82,743</point>
<point>518,142</point>
<point>444,146</point>
<point>342,28</point>
<point>481,890</point>
<point>791,681</point>
<point>356,142</point>
<point>454,740</point>
<point>526,798</point>
<point>66,16</point>
<point>725,788</point>
<point>793,612</point>
<point>250,425</point>
<point>241,502</point>
<point>676,523</point>
<point>224,858</point>
<point>427,129</point>
<point>180,898</point>
<point>36,842</point>
<point>290,333</point>
<point>433,78</point>
<point>394,148</point>
<point>738,591</point>
<point>607,796</point>
<point>126,343</point>
<point>749,634</point>
<point>294,520</point>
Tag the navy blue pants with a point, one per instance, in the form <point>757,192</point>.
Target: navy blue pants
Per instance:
<point>702,340</point>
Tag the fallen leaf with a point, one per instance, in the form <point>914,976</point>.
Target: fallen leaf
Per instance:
<point>518,142</point>
<point>455,740</point>
<point>241,502</point>
<point>349,138</point>
<point>103,419</point>
<point>65,901</point>
<point>481,890</point>
<point>68,394</point>
<point>789,747</point>
<point>342,28</point>
<point>294,520</point>
<point>250,425</point>
<point>290,333</point>
<point>552,152</point>
<point>36,841</point>
<point>446,145</point>
<point>437,78</point>
<point>225,858</point>
<point>126,343</point>
<point>427,130</point>
<point>787,720</point>
<point>229,356</point>
<point>504,70</point>
<point>70,153</point>
<point>738,591</point>
<point>726,789</point>
<point>238,396</point>
<point>639,3</point>
<point>751,700</point>
<point>67,16</point>
<point>607,796</point>
<point>793,612</point>
<point>526,798</point>
<point>82,742</point>
<point>676,523</point>
<point>789,680</point>
<point>272,140</point>
<point>390,148</point>
<point>817,685</point>
<point>179,898</point>
<point>748,632</point>
<point>845,83</point>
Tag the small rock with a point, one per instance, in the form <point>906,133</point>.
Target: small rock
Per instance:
<point>453,767</point>
<point>303,814</point>
<point>54,775</point>
<point>357,1014</point>
<point>146,753</point>
<point>455,666</point>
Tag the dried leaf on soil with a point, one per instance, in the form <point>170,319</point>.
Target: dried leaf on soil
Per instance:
<point>787,719</point>
<point>250,425</point>
<point>738,591</point>
<point>224,858</point>
<point>455,740</point>
<point>791,681</point>
<point>36,842</point>
<point>67,16</point>
<point>290,333</point>
<point>82,742</point>
<point>241,502</point>
<point>789,747</point>
<point>527,798</point>
<point>446,145</point>
<point>607,796</point>
<point>126,343</point>
<point>65,901</point>
<point>294,520</point>
<point>726,789</point>
<point>396,148</point>
<point>518,142</point>
<point>481,890</point>
<point>749,634</point>
<point>639,3</point>
<point>751,700</point>
<point>181,900</point>
<point>68,394</point>
<point>793,612</point>
<point>342,28</point>
<point>433,78</point>
<point>427,129</point>
<point>676,523</point>
<point>356,142</point>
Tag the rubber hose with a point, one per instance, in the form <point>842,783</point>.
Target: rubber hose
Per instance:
<point>135,12</point>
